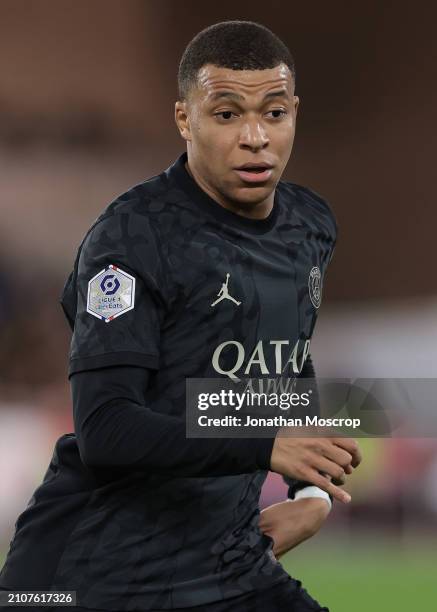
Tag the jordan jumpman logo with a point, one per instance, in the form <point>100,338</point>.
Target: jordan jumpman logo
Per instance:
<point>223,294</point>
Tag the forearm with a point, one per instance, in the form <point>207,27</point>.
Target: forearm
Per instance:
<point>115,428</point>
<point>308,371</point>
<point>290,523</point>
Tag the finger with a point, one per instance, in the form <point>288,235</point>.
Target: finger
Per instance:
<point>336,481</point>
<point>339,481</point>
<point>328,468</point>
<point>351,446</point>
<point>326,485</point>
<point>337,454</point>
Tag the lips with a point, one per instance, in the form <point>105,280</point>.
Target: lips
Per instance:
<point>254,172</point>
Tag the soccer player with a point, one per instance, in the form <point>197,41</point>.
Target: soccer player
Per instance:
<point>190,274</point>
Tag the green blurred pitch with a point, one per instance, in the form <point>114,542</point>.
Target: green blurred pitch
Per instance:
<point>377,577</point>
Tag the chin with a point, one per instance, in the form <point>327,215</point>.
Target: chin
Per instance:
<point>252,195</point>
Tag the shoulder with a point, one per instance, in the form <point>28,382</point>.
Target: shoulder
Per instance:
<point>145,199</point>
<point>135,212</point>
<point>310,205</point>
<point>127,232</point>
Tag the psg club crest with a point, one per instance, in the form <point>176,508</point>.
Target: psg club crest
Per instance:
<point>315,286</point>
<point>111,293</point>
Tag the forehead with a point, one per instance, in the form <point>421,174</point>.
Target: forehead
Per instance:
<point>213,79</point>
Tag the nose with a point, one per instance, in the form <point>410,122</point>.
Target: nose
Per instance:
<point>253,136</point>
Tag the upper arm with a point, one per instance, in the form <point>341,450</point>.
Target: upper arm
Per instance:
<point>121,295</point>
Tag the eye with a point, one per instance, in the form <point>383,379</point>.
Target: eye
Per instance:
<point>277,113</point>
<point>225,115</point>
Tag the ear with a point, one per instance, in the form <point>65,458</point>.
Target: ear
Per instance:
<point>182,120</point>
<point>295,103</point>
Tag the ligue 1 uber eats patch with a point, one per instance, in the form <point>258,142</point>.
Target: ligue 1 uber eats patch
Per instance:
<point>111,293</point>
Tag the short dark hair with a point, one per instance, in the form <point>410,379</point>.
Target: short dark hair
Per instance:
<point>239,45</point>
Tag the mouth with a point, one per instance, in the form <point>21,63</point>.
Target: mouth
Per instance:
<point>254,172</point>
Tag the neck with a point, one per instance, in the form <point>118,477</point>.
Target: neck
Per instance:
<point>258,210</point>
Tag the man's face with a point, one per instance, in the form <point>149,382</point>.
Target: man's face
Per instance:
<point>239,126</point>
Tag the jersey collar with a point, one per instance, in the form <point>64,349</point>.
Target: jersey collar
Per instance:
<point>178,173</point>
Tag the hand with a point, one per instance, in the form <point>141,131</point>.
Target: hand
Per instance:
<point>323,462</point>
<point>291,522</point>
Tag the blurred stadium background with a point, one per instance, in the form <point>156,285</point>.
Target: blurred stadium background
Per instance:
<point>86,110</point>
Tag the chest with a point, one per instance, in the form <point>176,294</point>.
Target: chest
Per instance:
<point>268,278</point>
<point>245,297</point>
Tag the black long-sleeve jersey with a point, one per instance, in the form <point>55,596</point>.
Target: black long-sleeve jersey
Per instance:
<point>115,429</point>
<point>168,280</point>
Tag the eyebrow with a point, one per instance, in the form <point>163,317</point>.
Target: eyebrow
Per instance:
<point>235,96</point>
